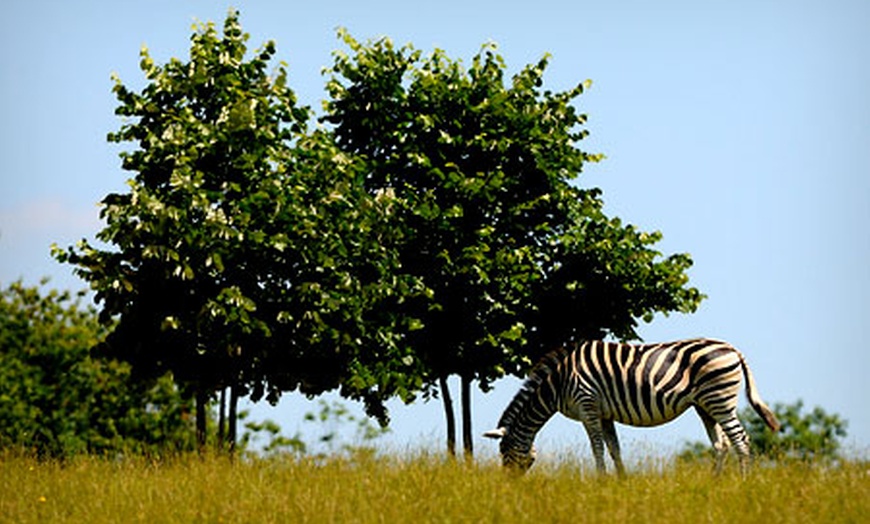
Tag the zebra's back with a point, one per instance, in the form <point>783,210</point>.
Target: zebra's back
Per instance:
<point>650,384</point>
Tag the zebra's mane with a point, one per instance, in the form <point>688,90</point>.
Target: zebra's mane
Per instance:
<point>539,372</point>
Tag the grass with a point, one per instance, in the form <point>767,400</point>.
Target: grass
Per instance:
<point>418,488</point>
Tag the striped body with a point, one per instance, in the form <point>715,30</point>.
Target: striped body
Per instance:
<point>599,383</point>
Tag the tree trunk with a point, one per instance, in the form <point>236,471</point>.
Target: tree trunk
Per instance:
<point>448,413</point>
<point>201,401</point>
<point>233,419</point>
<point>222,419</point>
<point>467,440</point>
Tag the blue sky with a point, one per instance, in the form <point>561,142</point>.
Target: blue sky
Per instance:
<point>741,130</point>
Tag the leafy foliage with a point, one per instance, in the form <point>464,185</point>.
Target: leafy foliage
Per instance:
<point>57,401</point>
<point>811,435</point>
<point>482,169</point>
<point>474,165</point>
<point>601,277</point>
<point>432,228</point>
<point>245,253</point>
<point>324,435</point>
<point>208,140</point>
<point>518,258</point>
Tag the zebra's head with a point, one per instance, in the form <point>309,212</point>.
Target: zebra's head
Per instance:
<point>513,456</point>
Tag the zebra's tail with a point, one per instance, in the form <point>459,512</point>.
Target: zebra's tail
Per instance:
<point>755,399</point>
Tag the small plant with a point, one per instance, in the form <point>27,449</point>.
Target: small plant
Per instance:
<point>277,443</point>
<point>337,431</point>
<point>332,419</point>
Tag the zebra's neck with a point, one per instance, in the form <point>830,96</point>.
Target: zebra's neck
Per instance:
<point>533,405</point>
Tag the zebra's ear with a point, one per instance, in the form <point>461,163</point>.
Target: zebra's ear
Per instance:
<point>495,433</point>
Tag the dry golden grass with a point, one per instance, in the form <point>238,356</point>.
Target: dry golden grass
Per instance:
<point>418,489</point>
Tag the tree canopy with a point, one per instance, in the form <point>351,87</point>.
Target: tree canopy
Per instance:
<point>431,224</point>
<point>245,253</point>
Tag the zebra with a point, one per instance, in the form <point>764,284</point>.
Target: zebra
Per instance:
<point>599,383</point>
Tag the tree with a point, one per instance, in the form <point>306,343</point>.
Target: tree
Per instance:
<point>244,256</point>
<point>58,401</point>
<point>482,170</point>
<point>816,435</point>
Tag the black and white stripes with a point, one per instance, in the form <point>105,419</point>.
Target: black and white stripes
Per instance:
<point>599,383</point>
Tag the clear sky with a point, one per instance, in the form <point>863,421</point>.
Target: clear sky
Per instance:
<point>740,129</point>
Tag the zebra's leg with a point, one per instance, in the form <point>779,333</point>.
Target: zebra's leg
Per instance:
<point>717,437</point>
<point>596,438</point>
<point>612,441</point>
<point>737,435</point>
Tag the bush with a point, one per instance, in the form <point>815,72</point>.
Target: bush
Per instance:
<point>56,400</point>
<point>816,435</point>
